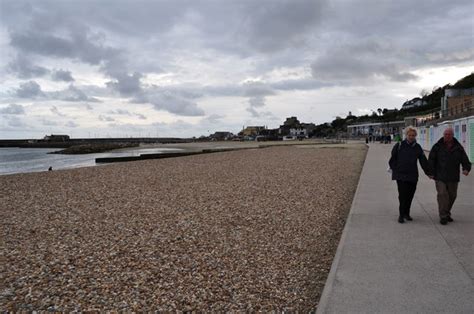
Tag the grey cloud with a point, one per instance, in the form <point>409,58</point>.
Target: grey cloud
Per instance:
<point>13,109</point>
<point>105,118</point>
<point>166,100</point>
<point>453,56</point>
<point>71,124</point>
<point>401,76</point>
<point>140,116</point>
<point>72,93</point>
<point>15,122</point>
<point>25,69</point>
<point>261,114</point>
<point>127,113</point>
<point>257,89</point>
<point>213,118</point>
<point>77,46</point>
<point>276,25</point>
<point>258,101</point>
<point>56,111</point>
<point>78,43</point>
<point>30,89</point>
<point>120,112</point>
<point>298,84</point>
<point>360,61</point>
<point>391,39</point>
<point>49,122</point>
<point>253,112</point>
<point>126,84</point>
<point>62,75</point>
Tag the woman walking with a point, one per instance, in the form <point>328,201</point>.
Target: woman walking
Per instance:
<point>403,164</point>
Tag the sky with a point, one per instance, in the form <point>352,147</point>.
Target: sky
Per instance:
<point>115,68</point>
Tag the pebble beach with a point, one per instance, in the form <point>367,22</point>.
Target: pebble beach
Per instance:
<point>250,230</point>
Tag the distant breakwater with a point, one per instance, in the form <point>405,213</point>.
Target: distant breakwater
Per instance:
<point>34,143</point>
<point>93,148</point>
<point>166,155</point>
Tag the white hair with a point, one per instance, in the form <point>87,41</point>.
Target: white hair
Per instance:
<point>410,129</point>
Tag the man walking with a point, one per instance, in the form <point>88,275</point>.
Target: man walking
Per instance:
<point>445,158</point>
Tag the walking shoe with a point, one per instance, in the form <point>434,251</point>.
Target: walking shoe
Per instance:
<point>408,217</point>
<point>449,219</point>
<point>443,221</point>
<point>401,220</point>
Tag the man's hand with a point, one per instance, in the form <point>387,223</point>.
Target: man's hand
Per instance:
<point>465,172</point>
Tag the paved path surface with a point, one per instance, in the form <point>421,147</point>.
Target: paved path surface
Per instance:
<point>382,266</point>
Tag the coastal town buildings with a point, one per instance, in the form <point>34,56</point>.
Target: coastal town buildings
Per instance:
<point>221,136</point>
<point>291,128</point>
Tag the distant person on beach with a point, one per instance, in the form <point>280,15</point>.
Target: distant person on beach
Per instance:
<point>50,169</point>
<point>445,158</point>
<point>403,163</point>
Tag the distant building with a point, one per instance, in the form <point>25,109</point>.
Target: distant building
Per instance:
<point>252,131</point>
<point>56,138</point>
<point>376,128</point>
<point>221,136</point>
<point>415,102</point>
<point>363,129</point>
<point>299,132</point>
<point>290,123</point>
<point>294,128</point>
<point>268,135</point>
<point>457,102</point>
<point>309,127</point>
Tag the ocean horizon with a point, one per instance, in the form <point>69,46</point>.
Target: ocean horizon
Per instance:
<point>23,160</point>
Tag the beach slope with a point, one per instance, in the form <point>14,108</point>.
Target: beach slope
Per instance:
<point>240,230</point>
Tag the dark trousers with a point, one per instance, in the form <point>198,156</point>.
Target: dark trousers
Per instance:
<point>447,192</point>
<point>406,191</point>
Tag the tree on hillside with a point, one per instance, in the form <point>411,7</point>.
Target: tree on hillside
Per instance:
<point>465,82</point>
<point>424,92</point>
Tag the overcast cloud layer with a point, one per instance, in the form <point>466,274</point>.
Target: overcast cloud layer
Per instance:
<point>189,68</point>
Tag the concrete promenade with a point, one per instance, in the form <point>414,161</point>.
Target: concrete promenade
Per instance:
<point>421,266</point>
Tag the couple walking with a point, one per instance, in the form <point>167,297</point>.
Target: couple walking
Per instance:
<point>442,165</point>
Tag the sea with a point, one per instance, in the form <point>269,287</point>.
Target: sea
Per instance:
<point>21,160</point>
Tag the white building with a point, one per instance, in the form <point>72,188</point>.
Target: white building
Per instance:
<point>415,102</point>
<point>298,132</point>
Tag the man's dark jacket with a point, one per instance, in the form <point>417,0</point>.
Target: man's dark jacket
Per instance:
<point>445,163</point>
<point>403,161</point>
